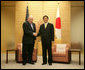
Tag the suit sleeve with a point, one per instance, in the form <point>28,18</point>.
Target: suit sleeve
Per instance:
<point>34,28</point>
<point>39,32</point>
<point>27,31</point>
<point>52,33</point>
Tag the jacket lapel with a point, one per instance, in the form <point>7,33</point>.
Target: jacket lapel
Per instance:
<point>30,26</point>
<point>43,27</point>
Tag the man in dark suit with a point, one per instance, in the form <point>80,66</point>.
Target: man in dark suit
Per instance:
<point>46,32</point>
<point>28,41</point>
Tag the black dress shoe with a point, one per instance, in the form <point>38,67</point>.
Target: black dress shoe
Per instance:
<point>50,63</point>
<point>44,63</point>
<point>31,62</point>
<point>24,63</point>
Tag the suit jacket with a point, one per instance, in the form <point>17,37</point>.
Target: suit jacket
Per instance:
<point>48,33</point>
<point>28,37</point>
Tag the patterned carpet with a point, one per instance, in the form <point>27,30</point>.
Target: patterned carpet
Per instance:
<point>13,65</point>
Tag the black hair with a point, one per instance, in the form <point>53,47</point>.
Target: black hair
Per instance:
<point>45,16</point>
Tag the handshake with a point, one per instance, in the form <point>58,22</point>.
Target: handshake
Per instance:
<point>35,34</point>
<point>37,28</point>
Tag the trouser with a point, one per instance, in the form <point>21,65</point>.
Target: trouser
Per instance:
<point>27,51</point>
<point>47,46</point>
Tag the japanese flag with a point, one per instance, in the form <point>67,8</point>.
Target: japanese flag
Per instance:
<point>58,25</point>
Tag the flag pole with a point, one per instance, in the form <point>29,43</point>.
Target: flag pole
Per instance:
<point>59,15</point>
<point>58,4</point>
<point>27,3</point>
<point>58,25</point>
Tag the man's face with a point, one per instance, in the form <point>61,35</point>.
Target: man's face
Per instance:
<point>30,20</point>
<point>45,19</point>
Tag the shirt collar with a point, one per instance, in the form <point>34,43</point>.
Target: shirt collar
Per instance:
<point>46,23</point>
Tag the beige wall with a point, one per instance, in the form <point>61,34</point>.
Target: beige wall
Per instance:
<point>77,24</point>
<point>13,15</point>
<point>7,26</point>
<point>38,9</point>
